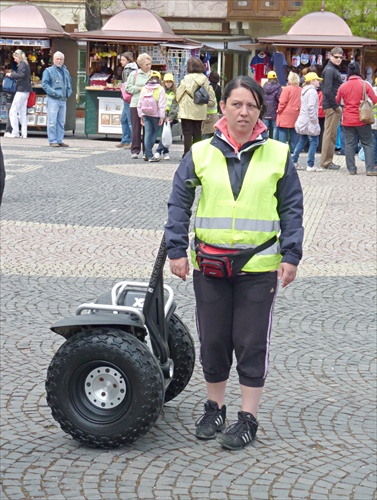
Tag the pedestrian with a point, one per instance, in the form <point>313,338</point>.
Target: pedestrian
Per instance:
<point>321,118</point>
<point>151,109</point>
<point>272,90</point>
<point>332,80</point>
<point>307,124</point>
<point>350,94</point>
<point>214,79</point>
<point>288,111</point>
<point>9,96</point>
<point>128,65</point>
<point>2,175</point>
<point>191,114</point>
<point>57,83</point>
<point>171,113</point>
<point>135,82</point>
<point>18,109</point>
<point>250,195</point>
<point>374,128</point>
<point>208,125</point>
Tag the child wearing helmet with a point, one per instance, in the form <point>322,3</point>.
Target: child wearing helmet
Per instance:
<point>171,113</point>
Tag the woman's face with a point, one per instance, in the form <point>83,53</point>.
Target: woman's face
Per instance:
<point>123,61</point>
<point>17,58</point>
<point>168,84</point>
<point>146,65</point>
<point>241,111</point>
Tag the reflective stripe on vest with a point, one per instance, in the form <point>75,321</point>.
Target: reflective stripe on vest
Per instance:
<point>252,218</point>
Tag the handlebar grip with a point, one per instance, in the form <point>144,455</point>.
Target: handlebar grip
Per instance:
<point>192,183</point>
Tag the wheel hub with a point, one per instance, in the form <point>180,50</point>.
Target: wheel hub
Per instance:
<point>105,387</point>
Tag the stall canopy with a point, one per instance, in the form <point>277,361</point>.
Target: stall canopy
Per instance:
<point>133,26</point>
<point>26,18</point>
<point>318,29</point>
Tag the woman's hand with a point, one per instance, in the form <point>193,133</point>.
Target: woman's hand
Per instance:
<point>180,267</point>
<point>160,121</point>
<point>287,273</point>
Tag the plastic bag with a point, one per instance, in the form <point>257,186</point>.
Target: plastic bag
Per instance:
<point>166,136</point>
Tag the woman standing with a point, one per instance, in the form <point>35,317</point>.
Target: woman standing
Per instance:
<point>128,65</point>
<point>250,198</point>
<point>288,111</point>
<point>192,114</point>
<point>17,112</point>
<point>350,94</point>
<point>307,124</point>
<point>272,90</point>
<point>135,82</point>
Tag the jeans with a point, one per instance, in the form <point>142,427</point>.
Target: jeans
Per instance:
<point>17,113</point>
<point>151,131</point>
<point>282,137</point>
<point>364,133</point>
<point>271,127</point>
<point>313,142</point>
<point>125,121</point>
<point>56,112</point>
<point>374,136</point>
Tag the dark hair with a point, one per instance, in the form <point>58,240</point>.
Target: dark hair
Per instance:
<point>250,84</point>
<point>214,77</point>
<point>195,65</point>
<point>353,69</point>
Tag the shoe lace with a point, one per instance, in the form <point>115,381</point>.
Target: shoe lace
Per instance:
<point>208,417</point>
<point>242,426</point>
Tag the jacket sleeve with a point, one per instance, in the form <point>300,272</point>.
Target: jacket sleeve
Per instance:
<point>290,209</point>
<point>179,210</point>
<point>162,103</point>
<point>20,74</point>
<point>139,104</point>
<point>173,112</point>
<point>131,87</point>
<point>181,91</point>
<point>283,99</point>
<point>370,93</point>
<point>46,83</point>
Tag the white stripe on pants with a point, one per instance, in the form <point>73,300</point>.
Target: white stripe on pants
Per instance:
<point>17,113</point>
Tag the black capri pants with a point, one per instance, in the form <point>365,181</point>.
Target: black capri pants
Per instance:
<point>235,315</point>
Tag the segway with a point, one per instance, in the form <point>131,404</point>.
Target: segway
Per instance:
<point>125,355</point>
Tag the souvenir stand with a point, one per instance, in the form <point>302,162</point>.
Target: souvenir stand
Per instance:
<point>309,42</point>
<point>150,34</point>
<point>35,31</point>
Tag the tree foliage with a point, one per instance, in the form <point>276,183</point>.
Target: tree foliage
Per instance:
<point>360,15</point>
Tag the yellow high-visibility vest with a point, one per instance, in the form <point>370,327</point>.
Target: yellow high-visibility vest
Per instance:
<point>252,218</point>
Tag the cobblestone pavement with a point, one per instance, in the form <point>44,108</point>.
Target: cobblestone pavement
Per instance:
<point>78,219</point>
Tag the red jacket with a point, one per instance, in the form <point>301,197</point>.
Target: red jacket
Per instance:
<point>350,94</point>
<point>289,106</point>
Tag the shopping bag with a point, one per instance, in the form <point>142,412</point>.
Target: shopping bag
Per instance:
<point>166,136</point>
<point>366,114</point>
<point>31,100</point>
<point>126,96</point>
<point>9,84</point>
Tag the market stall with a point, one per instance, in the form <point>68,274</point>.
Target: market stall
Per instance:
<point>309,42</point>
<point>150,34</point>
<point>35,31</point>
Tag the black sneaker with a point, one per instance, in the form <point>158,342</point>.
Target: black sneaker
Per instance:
<point>240,433</point>
<point>212,421</point>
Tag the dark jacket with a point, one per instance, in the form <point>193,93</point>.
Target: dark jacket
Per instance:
<point>272,93</point>
<point>332,80</point>
<point>22,77</point>
<point>288,194</point>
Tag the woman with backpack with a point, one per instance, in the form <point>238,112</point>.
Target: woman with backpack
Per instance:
<point>151,110</point>
<point>192,114</point>
<point>18,110</point>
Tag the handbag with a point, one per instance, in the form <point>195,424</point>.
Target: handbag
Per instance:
<point>216,262</point>
<point>366,114</point>
<point>9,84</point>
<point>31,100</point>
<point>126,95</point>
<point>201,96</point>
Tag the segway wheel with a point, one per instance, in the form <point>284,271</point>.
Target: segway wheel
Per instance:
<point>182,352</point>
<point>105,388</point>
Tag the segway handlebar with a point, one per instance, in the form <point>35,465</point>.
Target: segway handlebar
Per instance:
<point>192,183</point>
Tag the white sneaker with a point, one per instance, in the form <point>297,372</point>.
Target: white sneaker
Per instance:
<point>166,157</point>
<point>24,137</point>
<point>7,134</point>
<point>134,156</point>
<point>314,169</point>
<point>157,155</point>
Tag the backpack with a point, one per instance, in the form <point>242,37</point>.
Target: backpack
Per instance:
<point>201,96</point>
<point>9,84</point>
<point>149,100</point>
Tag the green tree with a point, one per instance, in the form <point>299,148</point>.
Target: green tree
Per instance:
<point>360,15</point>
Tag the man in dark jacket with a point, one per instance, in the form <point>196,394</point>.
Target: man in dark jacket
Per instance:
<point>332,80</point>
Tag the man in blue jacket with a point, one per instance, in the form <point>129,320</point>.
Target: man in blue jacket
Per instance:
<point>57,83</point>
